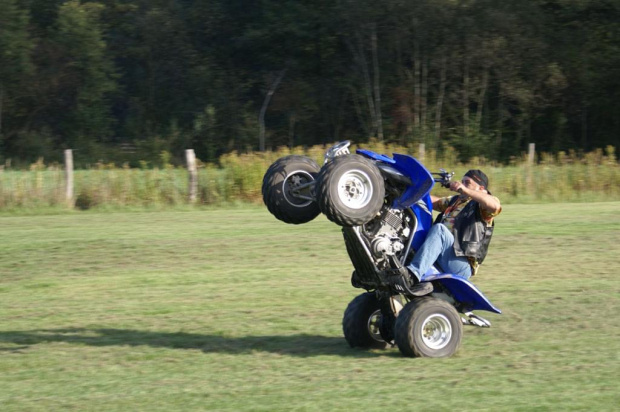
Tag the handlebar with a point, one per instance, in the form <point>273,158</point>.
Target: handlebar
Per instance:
<point>444,177</point>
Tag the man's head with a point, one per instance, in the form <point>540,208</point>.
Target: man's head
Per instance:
<point>478,178</point>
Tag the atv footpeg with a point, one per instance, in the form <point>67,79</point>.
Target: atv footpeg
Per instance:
<point>475,320</point>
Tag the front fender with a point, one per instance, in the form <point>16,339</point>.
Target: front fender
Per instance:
<point>465,292</point>
<point>421,180</point>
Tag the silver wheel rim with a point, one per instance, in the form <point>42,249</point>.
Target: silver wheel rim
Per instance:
<point>436,331</point>
<point>374,322</point>
<point>355,189</point>
<point>292,181</point>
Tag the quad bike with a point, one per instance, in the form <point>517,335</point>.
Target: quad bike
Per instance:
<point>384,208</point>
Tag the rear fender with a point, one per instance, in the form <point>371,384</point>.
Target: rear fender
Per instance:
<point>464,292</point>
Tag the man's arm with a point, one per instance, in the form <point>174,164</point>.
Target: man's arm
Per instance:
<point>485,200</point>
<point>437,203</point>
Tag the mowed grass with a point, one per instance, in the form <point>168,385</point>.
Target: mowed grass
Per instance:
<point>233,310</point>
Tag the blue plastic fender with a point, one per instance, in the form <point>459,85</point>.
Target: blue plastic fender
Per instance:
<point>422,180</point>
<point>463,291</point>
<point>375,156</point>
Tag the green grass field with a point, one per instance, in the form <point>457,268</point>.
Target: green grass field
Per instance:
<point>233,310</point>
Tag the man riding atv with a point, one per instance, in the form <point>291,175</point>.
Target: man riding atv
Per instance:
<point>414,273</point>
<point>459,239</point>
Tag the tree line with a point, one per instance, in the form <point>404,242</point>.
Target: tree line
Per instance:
<point>110,77</point>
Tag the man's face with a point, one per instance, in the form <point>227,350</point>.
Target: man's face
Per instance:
<point>469,183</point>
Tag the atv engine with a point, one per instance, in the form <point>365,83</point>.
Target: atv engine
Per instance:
<point>387,234</point>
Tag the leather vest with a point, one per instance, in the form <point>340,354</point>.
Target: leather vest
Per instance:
<point>472,236</point>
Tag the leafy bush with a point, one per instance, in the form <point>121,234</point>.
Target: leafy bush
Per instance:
<point>553,178</point>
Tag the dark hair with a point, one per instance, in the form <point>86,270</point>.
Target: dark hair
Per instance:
<point>479,177</point>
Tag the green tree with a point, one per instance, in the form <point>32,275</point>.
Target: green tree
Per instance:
<point>15,64</point>
<point>586,36</point>
<point>87,73</point>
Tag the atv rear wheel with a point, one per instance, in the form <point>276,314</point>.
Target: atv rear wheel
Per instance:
<point>287,192</point>
<point>428,327</point>
<point>362,321</point>
<point>350,190</point>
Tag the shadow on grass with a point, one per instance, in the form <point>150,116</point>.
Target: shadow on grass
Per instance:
<point>294,345</point>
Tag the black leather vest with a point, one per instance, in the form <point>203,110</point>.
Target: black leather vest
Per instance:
<point>471,234</point>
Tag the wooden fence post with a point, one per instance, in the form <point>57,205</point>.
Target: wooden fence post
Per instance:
<point>530,164</point>
<point>69,177</point>
<point>190,156</point>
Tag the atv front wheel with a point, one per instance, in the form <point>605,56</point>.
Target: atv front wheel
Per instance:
<point>288,190</point>
<point>428,327</point>
<point>350,190</point>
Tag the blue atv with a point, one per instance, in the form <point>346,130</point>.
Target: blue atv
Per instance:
<point>384,208</point>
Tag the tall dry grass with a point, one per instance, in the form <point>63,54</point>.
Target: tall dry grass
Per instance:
<point>553,178</point>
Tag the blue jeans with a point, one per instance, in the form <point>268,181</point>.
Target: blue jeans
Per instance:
<point>438,247</point>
